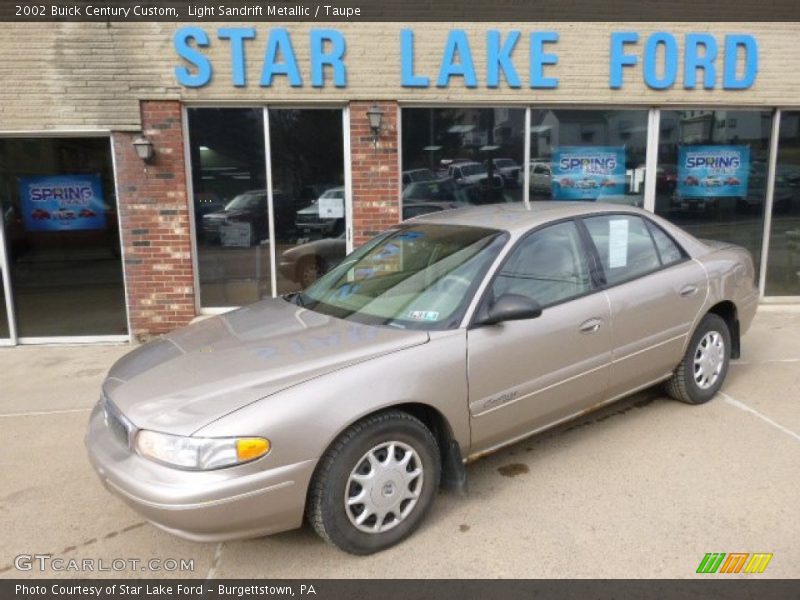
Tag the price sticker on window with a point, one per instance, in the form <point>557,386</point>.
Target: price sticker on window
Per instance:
<point>617,243</point>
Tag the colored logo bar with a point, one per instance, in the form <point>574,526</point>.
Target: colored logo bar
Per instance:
<point>735,562</point>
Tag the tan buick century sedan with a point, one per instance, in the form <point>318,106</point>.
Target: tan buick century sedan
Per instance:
<point>446,337</point>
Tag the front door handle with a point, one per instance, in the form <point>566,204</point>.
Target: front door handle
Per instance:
<point>590,326</point>
<point>688,290</point>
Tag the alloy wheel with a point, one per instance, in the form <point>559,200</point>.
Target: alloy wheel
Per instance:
<point>384,487</point>
<point>709,359</point>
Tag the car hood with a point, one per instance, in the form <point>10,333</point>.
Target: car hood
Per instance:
<point>198,374</point>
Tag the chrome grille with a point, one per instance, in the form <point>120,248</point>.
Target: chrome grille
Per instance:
<point>121,428</point>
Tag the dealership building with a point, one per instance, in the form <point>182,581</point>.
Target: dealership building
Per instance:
<point>154,172</point>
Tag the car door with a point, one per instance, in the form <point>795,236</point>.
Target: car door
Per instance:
<point>524,375</point>
<point>655,291</point>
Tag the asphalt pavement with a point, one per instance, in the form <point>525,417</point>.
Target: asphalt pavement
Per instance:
<point>643,488</point>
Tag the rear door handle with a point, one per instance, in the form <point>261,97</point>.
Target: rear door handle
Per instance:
<point>688,290</point>
<point>590,325</point>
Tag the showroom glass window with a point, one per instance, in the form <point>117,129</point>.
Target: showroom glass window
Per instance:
<point>460,156</point>
<point>783,266</point>
<point>307,150</point>
<point>59,210</point>
<point>711,177</point>
<point>231,205</point>
<point>588,155</point>
<point>231,212</point>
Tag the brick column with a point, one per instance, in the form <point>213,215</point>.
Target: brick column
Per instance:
<point>154,220</point>
<point>376,171</point>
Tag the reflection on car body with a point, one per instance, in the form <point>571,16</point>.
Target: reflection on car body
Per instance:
<point>440,340</point>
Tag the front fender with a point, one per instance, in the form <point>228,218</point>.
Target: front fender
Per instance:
<point>302,421</point>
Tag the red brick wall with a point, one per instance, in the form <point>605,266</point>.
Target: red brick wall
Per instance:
<point>376,171</point>
<point>154,220</point>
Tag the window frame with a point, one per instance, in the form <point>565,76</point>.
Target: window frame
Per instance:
<point>600,271</point>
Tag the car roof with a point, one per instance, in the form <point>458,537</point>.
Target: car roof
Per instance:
<point>517,218</point>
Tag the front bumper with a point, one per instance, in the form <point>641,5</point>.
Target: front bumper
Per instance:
<point>205,506</point>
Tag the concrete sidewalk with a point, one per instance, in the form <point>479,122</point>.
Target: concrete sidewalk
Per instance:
<point>643,488</point>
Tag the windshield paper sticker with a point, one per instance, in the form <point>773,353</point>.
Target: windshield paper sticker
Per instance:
<point>617,243</point>
<point>587,173</point>
<point>713,171</point>
<point>62,203</point>
<point>424,315</point>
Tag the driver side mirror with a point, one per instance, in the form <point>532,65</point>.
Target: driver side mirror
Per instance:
<point>511,307</point>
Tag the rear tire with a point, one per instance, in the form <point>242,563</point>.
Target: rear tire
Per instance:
<point>359,465</point>
<point>702,370</point>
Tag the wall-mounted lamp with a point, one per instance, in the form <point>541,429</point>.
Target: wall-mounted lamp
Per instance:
<point>144,149</point>
<point>375,116</point>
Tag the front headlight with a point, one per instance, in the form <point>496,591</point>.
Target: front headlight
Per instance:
<point>199,454</point>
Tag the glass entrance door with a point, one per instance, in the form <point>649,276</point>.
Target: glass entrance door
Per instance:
<point>62,238</point>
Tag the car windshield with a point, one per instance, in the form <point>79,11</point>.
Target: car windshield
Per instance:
<point>244,202</point>
<point>334,193</point>
<point>472,169</point>
<point>440,191</point>
<point>414,277</point>
<point>421,175</point>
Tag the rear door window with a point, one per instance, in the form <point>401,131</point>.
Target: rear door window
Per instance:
<point>668,250</point>
<point>625,246</point>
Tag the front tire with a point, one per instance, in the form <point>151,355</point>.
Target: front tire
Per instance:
<point>374,485</point>
<point>703,368</point>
